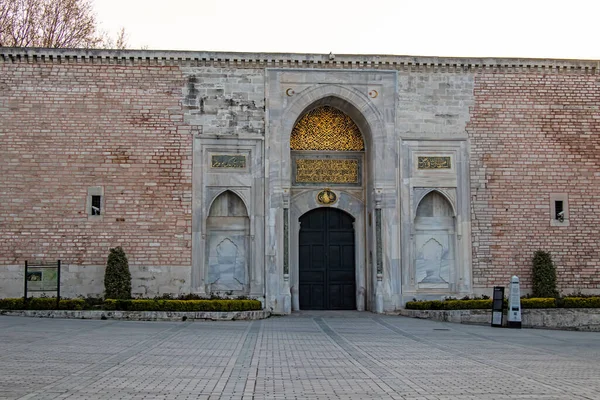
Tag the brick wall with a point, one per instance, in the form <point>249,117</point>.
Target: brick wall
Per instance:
<point>533,134</point>
<point>68,126</point>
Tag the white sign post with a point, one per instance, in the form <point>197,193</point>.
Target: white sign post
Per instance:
<point>514,304</point>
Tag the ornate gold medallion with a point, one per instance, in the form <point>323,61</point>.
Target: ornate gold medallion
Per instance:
<point>326,197</point>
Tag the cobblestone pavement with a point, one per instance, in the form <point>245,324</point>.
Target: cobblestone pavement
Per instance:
<point>318,355</point>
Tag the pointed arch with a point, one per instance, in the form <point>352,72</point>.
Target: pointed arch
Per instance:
<point>434,192</point>
<point>228,204</point>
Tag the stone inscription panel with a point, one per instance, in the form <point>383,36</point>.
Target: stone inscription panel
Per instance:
<point>336,171</point>
<point>237,161</point>
<point>433,162</point>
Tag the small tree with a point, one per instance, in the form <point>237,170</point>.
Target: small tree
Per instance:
<point>543,275</point>
<point>117,278</point>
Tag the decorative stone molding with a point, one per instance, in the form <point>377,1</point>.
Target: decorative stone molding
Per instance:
<point>289,60</point>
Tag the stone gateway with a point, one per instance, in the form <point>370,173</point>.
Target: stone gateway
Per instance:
<point>359,182</point>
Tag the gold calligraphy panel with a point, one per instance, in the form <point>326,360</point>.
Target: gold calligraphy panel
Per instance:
<point>228,161</point>
<point>326,128</point>
<point>327,171</point>
<point>434,163</point>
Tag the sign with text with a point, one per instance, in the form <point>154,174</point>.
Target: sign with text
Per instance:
<point>237,161</point>
<point>42,277</point>
<point>514,303</point>
<point>497,306</point>
<point>327,171</point>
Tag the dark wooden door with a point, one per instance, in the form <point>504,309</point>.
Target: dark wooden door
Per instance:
<point>327,270</point>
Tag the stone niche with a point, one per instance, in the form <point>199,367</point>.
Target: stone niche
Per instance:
<point>227,244</point>
<point>435,223</point>
<point>434,243</point>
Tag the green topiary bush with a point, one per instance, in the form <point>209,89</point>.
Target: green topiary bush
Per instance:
<point>543,276</point>
<point>117,278</point>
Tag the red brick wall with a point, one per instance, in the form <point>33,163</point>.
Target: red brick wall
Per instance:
<point>65,127</point>
<point>533,134</point>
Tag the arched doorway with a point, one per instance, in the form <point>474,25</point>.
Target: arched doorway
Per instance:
<point>327,260</point>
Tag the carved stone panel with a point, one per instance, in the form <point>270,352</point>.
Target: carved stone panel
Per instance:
<point>227,262</point>
<point>434,260</point>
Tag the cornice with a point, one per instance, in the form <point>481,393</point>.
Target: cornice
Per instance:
<point>287,60</point>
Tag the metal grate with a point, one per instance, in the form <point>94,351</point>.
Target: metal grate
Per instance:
<point>326,128</point>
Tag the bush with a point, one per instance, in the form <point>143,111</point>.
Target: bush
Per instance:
<point>543,275</point>
<point>538,303</point>
<point>41,303</point>
<point>450,305</point>
<point>182,305</point>
<point>581,302</point>
<point>526,303</point>
<point>117,278</point>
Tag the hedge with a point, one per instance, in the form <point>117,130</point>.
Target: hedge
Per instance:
<point>41,303</point>
<point>538,302</point>
<point>182,305</point>
<point>450,305</point>
<point>580,302</point>
<point>526,303</point>
<point>48,303</point>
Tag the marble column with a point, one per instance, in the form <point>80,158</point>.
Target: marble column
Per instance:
<point>379,258</point>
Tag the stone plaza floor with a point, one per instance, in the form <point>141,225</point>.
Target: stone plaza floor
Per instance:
<point>316,355</point>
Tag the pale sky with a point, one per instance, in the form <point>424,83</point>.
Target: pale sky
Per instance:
<point>461,28</point>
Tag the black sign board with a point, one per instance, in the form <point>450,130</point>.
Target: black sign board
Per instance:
<point>497,306</point>
<point>42,277</point>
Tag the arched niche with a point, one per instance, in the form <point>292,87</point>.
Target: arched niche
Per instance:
<point>227,245</point>
<point>435,243</point>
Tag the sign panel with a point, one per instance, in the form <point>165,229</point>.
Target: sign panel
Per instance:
<point>42,279</point>
<point>497,306</point>
<point>434,162</point>
<point>338,171</point>
<point>514,303</point>
<point>228,161</point>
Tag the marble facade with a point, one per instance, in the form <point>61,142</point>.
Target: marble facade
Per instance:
<point>404,258</point>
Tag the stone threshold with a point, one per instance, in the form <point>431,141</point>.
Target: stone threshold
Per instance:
<point>142,315</point>
<point>574,319</point>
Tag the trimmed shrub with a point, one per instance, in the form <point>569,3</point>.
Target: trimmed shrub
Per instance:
<point>580,302</point>
<point>450,305</point>
<point>41,303</point>
<point>117,278</point>
<point>538,303</point>
<point>182,305</point>
<point>543,275</point>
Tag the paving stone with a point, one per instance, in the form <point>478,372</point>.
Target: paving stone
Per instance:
<point>308,355</point>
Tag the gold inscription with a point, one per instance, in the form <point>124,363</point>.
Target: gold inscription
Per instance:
<point>326,171</point>
<point>434,163</point>
<point>228,161</point>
